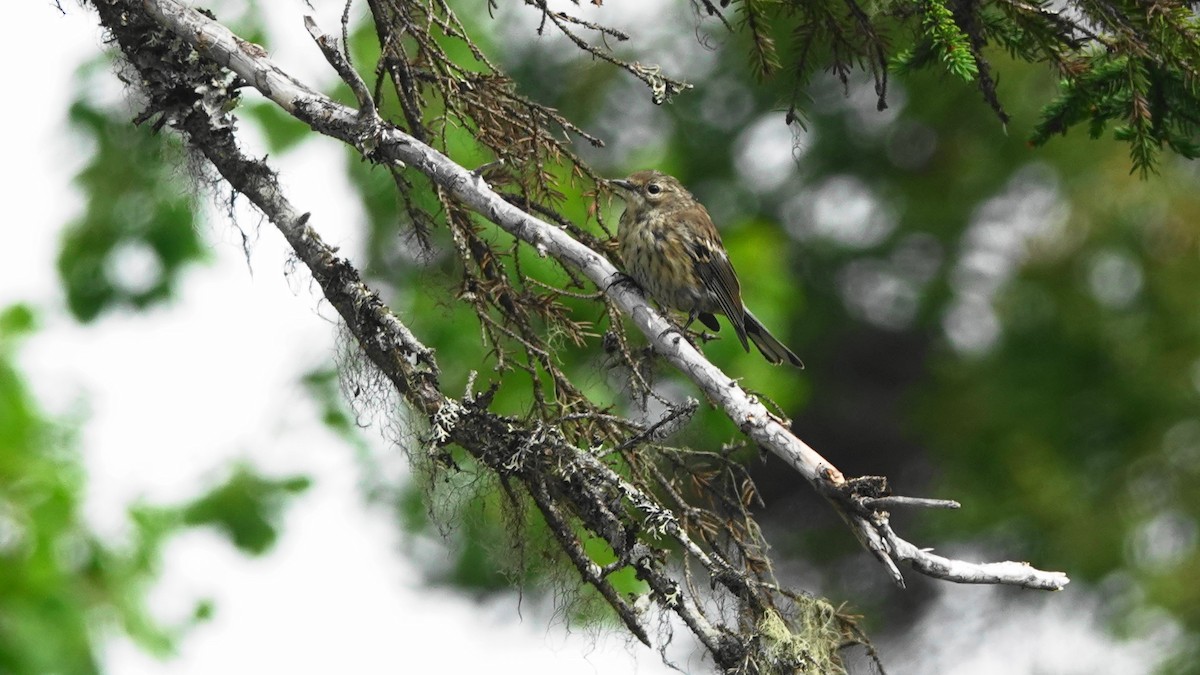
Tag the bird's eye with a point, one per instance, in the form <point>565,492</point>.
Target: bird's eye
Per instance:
<point>653,188</point>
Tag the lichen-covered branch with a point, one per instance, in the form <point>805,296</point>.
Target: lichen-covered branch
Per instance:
<point>390,144</point>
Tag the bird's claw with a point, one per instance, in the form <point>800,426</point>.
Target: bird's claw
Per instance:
<point>623,279</point>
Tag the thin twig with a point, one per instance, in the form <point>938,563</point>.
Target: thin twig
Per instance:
<point>341,63</point>
<point>884,503</point>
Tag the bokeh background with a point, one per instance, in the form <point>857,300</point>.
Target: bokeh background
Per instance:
<point>184,487</point>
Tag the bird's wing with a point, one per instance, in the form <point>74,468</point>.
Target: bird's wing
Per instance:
<point>714,269</point>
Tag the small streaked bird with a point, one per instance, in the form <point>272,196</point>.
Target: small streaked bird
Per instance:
<point>671,248</point>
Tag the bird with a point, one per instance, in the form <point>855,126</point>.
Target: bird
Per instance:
<point>671,248</point>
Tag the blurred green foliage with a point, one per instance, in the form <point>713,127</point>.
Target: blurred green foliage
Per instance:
<point>282,131</point>
<point>65,587</point>
<point>247,508</point>
<point>138,230</point>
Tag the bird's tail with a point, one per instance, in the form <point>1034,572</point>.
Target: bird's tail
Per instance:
<point>774,350</point>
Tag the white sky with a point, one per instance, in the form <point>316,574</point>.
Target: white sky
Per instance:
<point>172,395</point>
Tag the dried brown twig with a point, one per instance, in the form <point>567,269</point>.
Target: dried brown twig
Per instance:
<point>662,88</point>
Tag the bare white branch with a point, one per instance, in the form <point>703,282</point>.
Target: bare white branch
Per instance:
<point>334,119</point>
<point>1008,572</point>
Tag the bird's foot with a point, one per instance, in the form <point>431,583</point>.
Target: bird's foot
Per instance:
<point>623,279</point>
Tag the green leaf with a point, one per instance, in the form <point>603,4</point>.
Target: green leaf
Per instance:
<point>247,508</point>
<point>17,320</point>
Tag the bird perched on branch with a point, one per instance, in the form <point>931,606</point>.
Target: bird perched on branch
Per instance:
<point>673,251</point>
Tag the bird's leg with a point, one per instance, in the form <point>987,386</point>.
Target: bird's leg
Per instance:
<point>682,330</point>
<point>691,318</point>
<point>702,335</point>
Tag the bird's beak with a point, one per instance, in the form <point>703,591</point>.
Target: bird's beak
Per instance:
<point>623,184</point>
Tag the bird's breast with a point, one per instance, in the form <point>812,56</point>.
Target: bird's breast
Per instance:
<point>657,256</point>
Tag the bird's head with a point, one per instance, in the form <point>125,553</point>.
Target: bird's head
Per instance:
<point>649,189</point>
